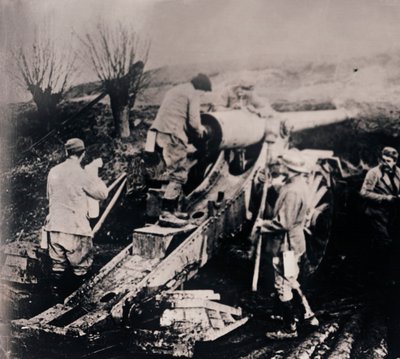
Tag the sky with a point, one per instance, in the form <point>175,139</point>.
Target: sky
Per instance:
<point>201,31</point>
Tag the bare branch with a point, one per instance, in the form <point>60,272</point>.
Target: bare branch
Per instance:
<point>44,71</point>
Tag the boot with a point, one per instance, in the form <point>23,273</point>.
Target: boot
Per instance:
<point>79,280</point>
<point>277,311</point>
<point>169,217</point>
<point>311,322</point>
<point>306,315</point>
<point>289,328</point>
<point>57,287</point>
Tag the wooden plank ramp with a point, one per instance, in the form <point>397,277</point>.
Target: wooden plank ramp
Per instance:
<point>190,317</point>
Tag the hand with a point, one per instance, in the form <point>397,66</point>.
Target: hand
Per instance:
<point>259,223</point>
<point>261,176</point>
<point>94,166</point>
<point>97,163</point>
<point>278,182</point>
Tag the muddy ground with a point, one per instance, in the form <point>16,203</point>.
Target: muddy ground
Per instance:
<point>351,303</point>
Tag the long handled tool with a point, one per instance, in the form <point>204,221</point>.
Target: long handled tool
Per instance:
<point>110,205</point>
<point>260,215</point>
<point>295,285</point>
<point>116,181</point>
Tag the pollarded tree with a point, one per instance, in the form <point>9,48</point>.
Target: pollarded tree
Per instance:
<point>46,72</point>
<point>118,57</point>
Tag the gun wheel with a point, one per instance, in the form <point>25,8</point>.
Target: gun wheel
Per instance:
<point>318,225</point>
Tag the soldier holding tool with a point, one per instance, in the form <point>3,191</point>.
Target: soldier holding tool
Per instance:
<point>286,242</point>
<point>70,235</point>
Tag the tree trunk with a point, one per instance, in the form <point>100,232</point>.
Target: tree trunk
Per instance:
<point>120,111</point>
<point>46,103</point>
<point>124,130</point>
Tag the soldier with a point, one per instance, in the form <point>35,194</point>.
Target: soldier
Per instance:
<point>70,240</point>
<point>380,191</point>
<point>176,127</point>
<point>286,242</point>
<point>242,96</point>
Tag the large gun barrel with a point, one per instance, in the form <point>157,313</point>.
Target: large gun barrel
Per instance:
<point>241,128</point>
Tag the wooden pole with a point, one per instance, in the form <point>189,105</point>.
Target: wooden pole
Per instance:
<point>108,209</point>
<point>116,181</point>
<point>260,215</point>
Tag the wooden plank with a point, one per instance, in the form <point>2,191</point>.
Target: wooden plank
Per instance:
<point>218,333</point>
<point>164,231</point>
<point>15,274</point>
<point>16,261</point>
<point>215,319</point>
<point>208,304</point>
<point>162,342</point>
<point>195,316</point>
<point>49,314</point>
<point>92,317</point>
<point>188,294</point>
<point>312,341</point>
<point>77,296</point>
<point>227,318</point>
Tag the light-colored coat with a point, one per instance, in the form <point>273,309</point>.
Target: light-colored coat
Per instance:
<point>288,219</point>
<point>179,113</point>
<point>68,186</point>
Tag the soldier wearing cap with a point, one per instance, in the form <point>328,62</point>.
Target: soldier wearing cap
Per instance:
<point>176,126</point>
<point>381,190</point>
<point>285,233</point>
<point>70,239</point>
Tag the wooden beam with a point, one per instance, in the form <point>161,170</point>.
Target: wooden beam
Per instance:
<point>208,304</point>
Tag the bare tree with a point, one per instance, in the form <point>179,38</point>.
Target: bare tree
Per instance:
<point>118,57</point>
<point>46,73</point>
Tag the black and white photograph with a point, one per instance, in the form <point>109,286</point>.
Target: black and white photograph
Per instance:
<point>206,179</point>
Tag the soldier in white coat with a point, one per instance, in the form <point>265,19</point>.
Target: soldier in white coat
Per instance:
<point>70,239</point>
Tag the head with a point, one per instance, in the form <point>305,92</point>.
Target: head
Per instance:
<point>242,86</point>
<point>243,91</point>
<point>388,158</point>
<point>201,82</point>
<point>75,147</point>
<point>293,163</point>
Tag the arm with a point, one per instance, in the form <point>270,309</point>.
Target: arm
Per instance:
<point>193,115</point>
<point>367,189</point>
<point>94,187</point>
<point>284,219</point>
<point>260,107</point>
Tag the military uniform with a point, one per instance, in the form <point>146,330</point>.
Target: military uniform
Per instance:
<point>236,97</point>
<point>286,232</point>
<point>68,188</point>
<point>286,244</point>
<point>378,190</point>
<point>178,119</point>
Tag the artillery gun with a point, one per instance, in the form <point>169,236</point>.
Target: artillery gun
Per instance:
<point>144,278</point>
